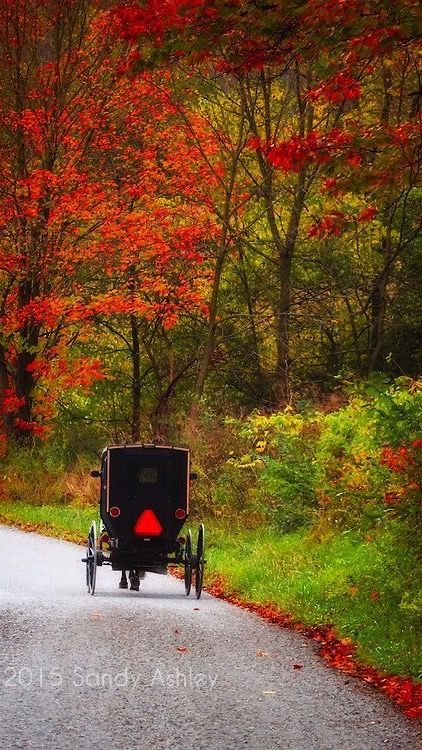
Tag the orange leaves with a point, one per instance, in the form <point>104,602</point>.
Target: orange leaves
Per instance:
<point>105,203</point>
<point>11,402</point>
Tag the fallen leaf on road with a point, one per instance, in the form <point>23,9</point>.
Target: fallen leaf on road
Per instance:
<point>262,653</point>
<point>196,609</point>
<point>96,616</point>
<point>297,666</point>
<point>415,712</point>
<point>406,693</point>
<point>182,649</point>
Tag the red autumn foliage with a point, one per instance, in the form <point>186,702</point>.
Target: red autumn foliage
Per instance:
<point>339,653</point>
<point>293,154</point>
<point>337,89</point>
<point>391,498</point>
<point>95,168</point>
<point>367,214</point>
<point>329,226</point>
<point>156,17</point>
<point>404,462</point>
<point>398,460</point>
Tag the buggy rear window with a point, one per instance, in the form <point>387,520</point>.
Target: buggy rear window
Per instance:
<point>148,475</point>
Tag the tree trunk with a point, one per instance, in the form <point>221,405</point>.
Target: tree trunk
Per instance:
<point>136,381</point>
<point>261,388</point>
<point>6,419</point>
<point>285,271</point>
<point>25,380</point>
<point>281,390</point>
<point>226,236</point>
<point>376,359</point>
<point>378,297</point>
<point>284,245</point>
<point>161,420</point>
<point>210,341</point>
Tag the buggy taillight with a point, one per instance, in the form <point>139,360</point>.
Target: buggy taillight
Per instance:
<point>148,524</point>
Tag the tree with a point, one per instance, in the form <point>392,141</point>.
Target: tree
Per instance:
<point>92,195</point>
<point>52,203</point>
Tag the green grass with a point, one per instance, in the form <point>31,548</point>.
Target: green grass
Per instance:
<point>65,522</point>
<point>369,590</point>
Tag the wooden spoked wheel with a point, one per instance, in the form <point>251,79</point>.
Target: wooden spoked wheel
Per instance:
<point>200,561</point>
<point>91,559</point>
<point>188,562</point>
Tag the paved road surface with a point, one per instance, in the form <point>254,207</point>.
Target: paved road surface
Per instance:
<point>105,671</point>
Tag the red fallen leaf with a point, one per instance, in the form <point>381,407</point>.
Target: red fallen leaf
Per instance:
<point>182,649</point>
<point>196,609</point>
<point>339,654</point>
<point>297,666</point>
<point>414,713</point>
<point>374,595</point>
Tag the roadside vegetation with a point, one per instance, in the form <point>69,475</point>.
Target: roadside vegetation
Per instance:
<point>314,511</point>
<point>210,235</point>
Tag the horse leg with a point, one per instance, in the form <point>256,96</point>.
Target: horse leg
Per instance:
<point>123,581</point>
<point>134,580</point>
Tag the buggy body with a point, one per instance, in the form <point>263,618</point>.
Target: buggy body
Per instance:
<point>144,504</point>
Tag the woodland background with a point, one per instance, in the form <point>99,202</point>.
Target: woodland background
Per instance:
<point>210,233</point>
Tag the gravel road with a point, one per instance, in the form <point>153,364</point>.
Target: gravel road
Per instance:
<point>122,670</point>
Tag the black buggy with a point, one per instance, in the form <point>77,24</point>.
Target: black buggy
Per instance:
<point>144,504</point>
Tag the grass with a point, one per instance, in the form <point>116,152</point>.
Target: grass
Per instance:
<point>65,522</point>
<point>368,589</point>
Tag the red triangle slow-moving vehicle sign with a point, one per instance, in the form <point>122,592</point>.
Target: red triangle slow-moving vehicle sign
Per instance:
<point>148,524</point>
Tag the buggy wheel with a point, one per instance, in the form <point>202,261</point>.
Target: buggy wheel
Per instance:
<point>200,561</point>
<point>91,559</point>
<point>188,562</point>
